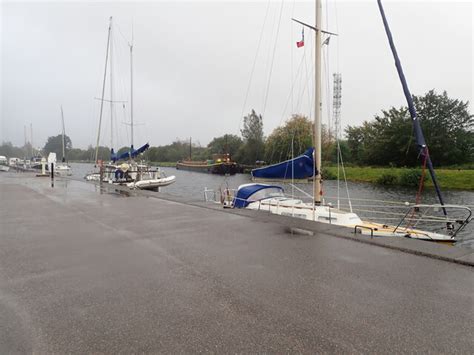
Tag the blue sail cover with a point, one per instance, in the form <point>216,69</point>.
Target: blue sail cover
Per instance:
<point>244,193</point>
<point>132,153</point>
<point>300,167</point>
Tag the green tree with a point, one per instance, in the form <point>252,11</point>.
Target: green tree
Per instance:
<point>228,143</point>
<point>89,154</point>
<point>253,148</point>
<point>152,154</point>
<point>10,151</point>
<point>386,140</point>
<point>448,127</point>
<point>103,153</point>
<point>389,140</point>
<point>345,152</point>
<point>77,154</point>
<point>178,150</point>
<point>123,150</point>
<point>55,144</point>
<point>294,137</point>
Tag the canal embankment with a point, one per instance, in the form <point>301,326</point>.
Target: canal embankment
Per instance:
<point>456,179</point>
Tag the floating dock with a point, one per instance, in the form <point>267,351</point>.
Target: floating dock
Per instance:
<point>89,269</point>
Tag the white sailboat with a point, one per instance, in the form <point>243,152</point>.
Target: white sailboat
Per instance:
<point>271,198</point>
<point>130,173</point>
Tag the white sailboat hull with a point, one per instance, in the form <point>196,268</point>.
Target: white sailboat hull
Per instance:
<point>299,209</point>
<point>62,170</point>
<point>325,214</point>
<point>152,184</point>
<point>271,198</point>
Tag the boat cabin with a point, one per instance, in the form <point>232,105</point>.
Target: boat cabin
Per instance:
<point>221,158</point>
<point>248,193</point>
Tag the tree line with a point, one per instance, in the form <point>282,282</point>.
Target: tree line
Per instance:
<point>386,140</point>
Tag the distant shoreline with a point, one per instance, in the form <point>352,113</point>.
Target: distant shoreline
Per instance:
<point>449,178</point>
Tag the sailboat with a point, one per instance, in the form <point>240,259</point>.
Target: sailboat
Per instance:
<point>62,168</point>
<point>271,198</point>
<point>123,169</point>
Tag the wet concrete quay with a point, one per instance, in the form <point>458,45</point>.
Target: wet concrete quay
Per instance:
<point>84,269</point>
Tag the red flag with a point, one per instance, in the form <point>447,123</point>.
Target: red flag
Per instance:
<point>301,43</point>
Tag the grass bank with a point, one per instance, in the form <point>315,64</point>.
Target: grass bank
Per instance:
<point>448,178</point>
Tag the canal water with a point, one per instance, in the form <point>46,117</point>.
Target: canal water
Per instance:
<point>369,201</point>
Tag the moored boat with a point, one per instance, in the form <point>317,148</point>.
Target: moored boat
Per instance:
<point>14,162</point>
<point>123,169</point>
<point>133,175</point>
<point>62,169</point>
<point>4,163</point>
<point>437,224</point>
<point>34,162</point>
<point>272,199</point>
<point>220,164</point>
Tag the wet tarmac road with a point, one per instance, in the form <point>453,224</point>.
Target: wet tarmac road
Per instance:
<point>83,272</point>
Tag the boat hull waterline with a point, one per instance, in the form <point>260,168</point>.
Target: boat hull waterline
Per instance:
<point>216,168</point>
<point>148,183</point>
<point>271,199</point>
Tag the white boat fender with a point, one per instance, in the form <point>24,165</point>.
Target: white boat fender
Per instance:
<point>226,198</point>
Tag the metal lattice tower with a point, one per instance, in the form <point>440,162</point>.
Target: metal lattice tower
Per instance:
<point>336,104</point>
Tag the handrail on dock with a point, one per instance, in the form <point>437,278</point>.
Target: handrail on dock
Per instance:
<point>364,227</point>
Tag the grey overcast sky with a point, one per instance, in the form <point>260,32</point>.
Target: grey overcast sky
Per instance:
<point>193,62</point>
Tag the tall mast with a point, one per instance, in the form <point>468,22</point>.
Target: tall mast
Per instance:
<point>31,132</point>
<point>420,139</point>
<point>111,90</point>
<point>103,91</point>
<point>317,101</point>
<point>62,120</point>
<point>317,107</point>
<point>190,149</point>
<point>26,142</point>
<point>131,90</point>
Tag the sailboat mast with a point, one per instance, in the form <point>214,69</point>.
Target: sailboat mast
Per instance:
<point>62,120</point>
<point>190,149</point>
<point>317,108</point>
<point>420,139</point>
<point>131,91</point>
<point>32,147</point>
<point>26,142</point>
<point>111,91</point>
<point>103,91</point>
